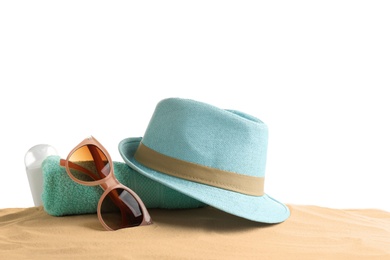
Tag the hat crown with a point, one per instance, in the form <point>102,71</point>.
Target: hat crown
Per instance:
<point>203,134</point>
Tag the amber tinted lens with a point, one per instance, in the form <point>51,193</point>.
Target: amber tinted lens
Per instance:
<point>89,163</point>
<point>121,210</point>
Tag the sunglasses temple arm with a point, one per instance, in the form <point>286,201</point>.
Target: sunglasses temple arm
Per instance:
<point>97,160</point>
<point>121,205</point>
<point>78,168</point>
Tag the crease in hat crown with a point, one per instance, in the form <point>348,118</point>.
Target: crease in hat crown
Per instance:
<point>186,138</point>
<point>203,134</point>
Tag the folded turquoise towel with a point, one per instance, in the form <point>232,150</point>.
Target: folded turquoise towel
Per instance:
<point>62,196</point>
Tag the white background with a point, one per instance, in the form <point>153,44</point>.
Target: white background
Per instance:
<point>316,72</point>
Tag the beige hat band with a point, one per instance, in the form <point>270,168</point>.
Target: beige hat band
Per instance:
<point>245,184</point>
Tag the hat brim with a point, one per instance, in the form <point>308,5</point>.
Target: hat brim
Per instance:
<point>263,209</point>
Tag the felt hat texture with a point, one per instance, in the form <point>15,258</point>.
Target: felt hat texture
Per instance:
<point>203,151</point>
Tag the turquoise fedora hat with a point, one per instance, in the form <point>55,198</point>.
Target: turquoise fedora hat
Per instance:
<point>213,155</point>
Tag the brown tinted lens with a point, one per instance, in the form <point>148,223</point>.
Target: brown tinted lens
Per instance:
<point>89,163</point>
<point>121,210</point>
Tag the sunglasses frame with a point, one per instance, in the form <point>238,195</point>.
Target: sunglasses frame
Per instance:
<point>108,183</point>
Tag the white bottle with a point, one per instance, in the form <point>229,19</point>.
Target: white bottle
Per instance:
<point>33,161</point>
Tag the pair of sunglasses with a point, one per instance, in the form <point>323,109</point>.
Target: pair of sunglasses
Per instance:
<point>119,207</point>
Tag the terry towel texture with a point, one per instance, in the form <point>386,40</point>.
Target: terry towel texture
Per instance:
<point>62,196</point>
<point>204,233</point>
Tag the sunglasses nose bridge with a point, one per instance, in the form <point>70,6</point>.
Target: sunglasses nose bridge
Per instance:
<point>109,183</point>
